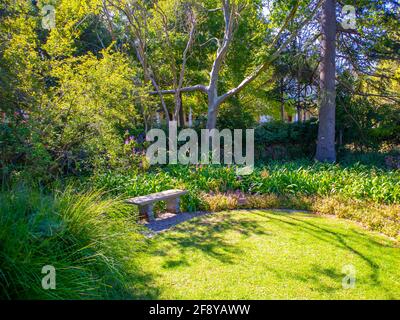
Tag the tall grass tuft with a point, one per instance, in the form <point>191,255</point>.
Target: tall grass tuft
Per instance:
<point>87,239</point>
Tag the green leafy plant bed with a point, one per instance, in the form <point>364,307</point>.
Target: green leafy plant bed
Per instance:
<point>362,193</point>
<point>290,178</point>
<point>262,254</point>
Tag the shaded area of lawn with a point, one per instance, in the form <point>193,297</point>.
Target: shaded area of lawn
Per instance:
<point>270,255</point>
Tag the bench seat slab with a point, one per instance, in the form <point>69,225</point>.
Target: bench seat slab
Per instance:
<point>145,203</point>
<point>154,197</point>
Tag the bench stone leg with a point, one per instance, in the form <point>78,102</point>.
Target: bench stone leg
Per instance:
<point>173,205</point>
<point>147,210</point>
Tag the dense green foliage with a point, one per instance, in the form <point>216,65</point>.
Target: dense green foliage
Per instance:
<point>278,140</point>
<point>70,96</point>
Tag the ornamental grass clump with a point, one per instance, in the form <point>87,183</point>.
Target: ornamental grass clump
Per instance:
<point>89,241</point>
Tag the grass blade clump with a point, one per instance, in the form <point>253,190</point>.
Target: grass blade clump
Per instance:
<point>86,238</point>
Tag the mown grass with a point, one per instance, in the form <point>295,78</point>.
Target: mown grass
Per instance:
<point>271,255</point>
<point>374,216</point>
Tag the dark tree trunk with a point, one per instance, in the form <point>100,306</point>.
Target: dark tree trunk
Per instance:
<point>282,101</point>
<point>305,105</point>
<point>326,132</point>
<point>298,100</point>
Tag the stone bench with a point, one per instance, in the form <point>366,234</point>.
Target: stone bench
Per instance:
<point>145,203</point>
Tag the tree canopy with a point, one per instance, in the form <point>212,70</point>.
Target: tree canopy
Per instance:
<point>112,68</point>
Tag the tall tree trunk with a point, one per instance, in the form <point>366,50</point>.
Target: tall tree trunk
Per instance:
<point>305,105</point>
<point>298,108</point>
<point>282,100</point>
<point>213,105</point>
<point>181,115</point>
<point>326,132</point>
<point>211,119</point>
<point>190,122</point>
<point>212,115</point>
<point>298,91</point>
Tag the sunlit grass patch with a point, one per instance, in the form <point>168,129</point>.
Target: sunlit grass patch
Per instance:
<point>268,255</point>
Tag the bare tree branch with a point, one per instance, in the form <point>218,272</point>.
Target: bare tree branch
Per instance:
<point>140,30</point>
<point>274,56</point>
<point>198,87</point>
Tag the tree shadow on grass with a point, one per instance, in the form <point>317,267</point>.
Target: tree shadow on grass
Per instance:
<point>216,236</point>
<point>206,234</point>
<point>131,279</point>
<point>316,274</point>
<point>138,285</point>
<point>209,236</point>
<point>348,240</point>
<point>141,286</point>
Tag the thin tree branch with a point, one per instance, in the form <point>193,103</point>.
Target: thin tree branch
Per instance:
<point>272,58</point>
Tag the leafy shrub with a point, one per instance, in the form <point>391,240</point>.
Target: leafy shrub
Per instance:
<point>348,157</point>
<point>220,202</point>
<point>393,162</point>
<point>357,182</point>
<point>363,124</point>
<point>301,185</point>
<point>278,140</point>
<point>21,148</point>
<point>234,116</point>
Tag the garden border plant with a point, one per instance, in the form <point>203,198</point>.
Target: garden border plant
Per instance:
<point>368,195</point>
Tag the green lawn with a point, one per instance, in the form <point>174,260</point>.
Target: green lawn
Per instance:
<point>268,255</point>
